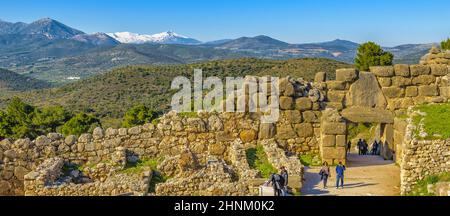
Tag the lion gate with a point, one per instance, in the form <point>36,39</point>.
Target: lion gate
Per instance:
<point>375,97</point>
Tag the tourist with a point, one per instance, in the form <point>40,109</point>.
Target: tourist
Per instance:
<point>360,147</point>
<point>324,174</point>
<point>340,168</point>
<point>285,175</point>
<point>375,148</point>
<point>277,182</point>
<point>349,147</point>
<point>365,147</point>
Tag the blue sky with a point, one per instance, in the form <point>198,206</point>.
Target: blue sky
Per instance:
<point>386,22</point>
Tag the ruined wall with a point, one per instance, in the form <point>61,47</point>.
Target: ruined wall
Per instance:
<point>420,158</point>
<point>204,135</point>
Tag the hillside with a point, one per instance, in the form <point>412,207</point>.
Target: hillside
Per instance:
<point>111,94</point>
<point>13,82</point>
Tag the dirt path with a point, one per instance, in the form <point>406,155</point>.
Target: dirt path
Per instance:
<point>365,176</point>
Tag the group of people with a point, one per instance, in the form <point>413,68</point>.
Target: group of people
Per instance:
<point>363,147</point>
<point>279,182</point>
<point>325,174</point>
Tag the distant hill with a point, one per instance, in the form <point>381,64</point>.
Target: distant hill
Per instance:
<point>54,52</point>
<point>254,43</point>
<point>13,82</point>
<point>111,94</point>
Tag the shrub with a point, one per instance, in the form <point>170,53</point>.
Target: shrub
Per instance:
<point>445,45</point>
<point>79,124</point>
<point>257,159</point>
<point>371,54</point>
<point>138,115</point>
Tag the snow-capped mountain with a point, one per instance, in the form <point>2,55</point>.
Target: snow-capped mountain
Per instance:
<point>168,37</point>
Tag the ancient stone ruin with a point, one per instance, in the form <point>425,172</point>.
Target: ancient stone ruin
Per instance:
<point>206,154</point>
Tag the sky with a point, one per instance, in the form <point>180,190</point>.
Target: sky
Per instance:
<point>386,22</point>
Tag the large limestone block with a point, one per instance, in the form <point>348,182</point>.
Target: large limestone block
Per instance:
<point>312,116</point>
<point>411,91</point>
<point>341,140</point>
<point>286,87</point>
<point>385,81</point>
<point>292,116</point>
<point>336,96</point>
<point>417,70</point>
<point>423,80</point>
<point>329,141</point>
<point>401,70</point>
<point>346,75</point>
<point>364,115</point>
<point>394,92</point>
<point>334,152</point>
<point>439,70</point>
<point>304,130</point>
<point>428,90</point>
<point>247,135</point>
<point>401,81</point>
<point>303,104</point>
<point>285,131</point>
<point>320,77</point>
<point>286,103</point>
<point>334,105</point>
<point>445,91</point>
<point>382,71</point>
<point>366,92</point>
<point>266,131</point>
<point>334,128</point>
<point>336,85</point>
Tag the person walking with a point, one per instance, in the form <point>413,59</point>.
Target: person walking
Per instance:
<point>349,147</point>
<point>285,175</point>
<point>360,146</point>
<point>340,169</point>
<point>324,174</point>
<point>277,182</point>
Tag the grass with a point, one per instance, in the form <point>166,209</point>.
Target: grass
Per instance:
<point>420,189</point>
<point>307,160</point>
<point>435,121</point>
<point>188,114</point>
<point>257,159</point>
<point>141,165</point>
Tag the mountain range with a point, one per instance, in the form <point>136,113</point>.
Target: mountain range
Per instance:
<point>51,51</point>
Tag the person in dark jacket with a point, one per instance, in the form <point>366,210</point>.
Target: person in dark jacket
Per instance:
<point>349,147</point>
<point>340,168</point>
<point>324,174</point>
<point>284,173</point>
<point>360,147</point>
<point>277,182</point>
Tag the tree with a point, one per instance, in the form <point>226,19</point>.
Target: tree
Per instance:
<point>138,115</point>
<point>5,125</point>
<point>371,54</point>
<point>79,124</point>
<point>48,119</point>
<point>445,45</point>
<point>20,117</point>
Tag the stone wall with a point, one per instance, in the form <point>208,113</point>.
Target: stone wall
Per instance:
<point>207,135</point>
<point>48,180</point>
<point>421,158</point>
